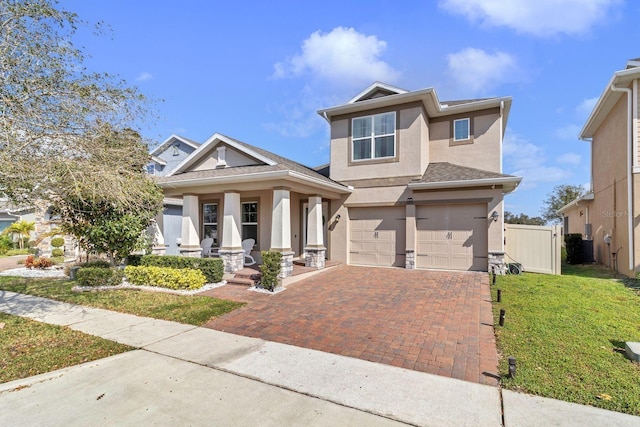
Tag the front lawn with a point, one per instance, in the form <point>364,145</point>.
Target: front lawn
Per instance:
<point>567,334</point>
<point>193,310</point>
<point>29,348</point>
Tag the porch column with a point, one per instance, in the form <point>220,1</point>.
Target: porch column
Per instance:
<point>281,229</point>
<point>231,246</point>
<point>314,252</point>
<point>190,238</point>
<point>410,258</point>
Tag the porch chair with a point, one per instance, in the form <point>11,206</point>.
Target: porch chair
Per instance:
<point>206,247</point>
<point>247,245</point>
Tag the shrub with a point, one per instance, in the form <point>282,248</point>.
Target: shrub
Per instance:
<point>12,252</point>
<point>99,276</point>
<point>57,260</point>
<point>32,262</point>
<point>270,269</point>
<point>6,244</point>
<point>133,259</point>
<point>573,242</point>
<point>165,277</point>
<point>212,268</point>
<point>57,252</point>
<point>96,263</point>
<point>57,242</point>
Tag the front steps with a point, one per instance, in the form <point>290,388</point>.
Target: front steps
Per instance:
<point>245,277</point>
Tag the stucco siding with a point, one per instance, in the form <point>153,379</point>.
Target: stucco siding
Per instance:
<point>483,152</point>
<point>410,141</point>
<point>610,208</point>
<point>233,158</point>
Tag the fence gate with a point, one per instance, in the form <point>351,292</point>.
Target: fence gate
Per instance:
<point>536,247</point>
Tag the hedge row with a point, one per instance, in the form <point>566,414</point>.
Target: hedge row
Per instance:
<point>99,276</point>
<point>212,268</point>
<point>165,277</point>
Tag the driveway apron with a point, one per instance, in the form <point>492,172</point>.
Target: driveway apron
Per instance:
<point>438,322</point>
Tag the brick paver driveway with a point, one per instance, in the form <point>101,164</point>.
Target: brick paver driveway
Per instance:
<point>430,321</point>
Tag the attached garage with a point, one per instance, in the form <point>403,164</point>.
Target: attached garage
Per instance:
<point>377,236</point>
<point>452,237</point>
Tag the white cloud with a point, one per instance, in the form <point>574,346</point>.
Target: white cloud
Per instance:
<point>568,132</point>
<point>569,159</point>
<point>144,76</point>
<point>586,106</point>
<point>479,71</point>
<point>528,160</point>
<point>541,18</point>
<point>342,56</point>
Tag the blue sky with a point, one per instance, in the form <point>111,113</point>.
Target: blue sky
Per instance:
<point>258,71</point>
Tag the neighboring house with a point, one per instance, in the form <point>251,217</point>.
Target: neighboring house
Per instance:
<point>166,157</point>
<point>607,213</point>
<point>412,182</point>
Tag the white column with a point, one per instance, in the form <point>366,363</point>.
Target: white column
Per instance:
<point>190,238</point>
<point>281,221</point>
<point>231,237</point>
<point>314,223</point>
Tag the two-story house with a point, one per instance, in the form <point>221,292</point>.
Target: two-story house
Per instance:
<point>608,214</point>
<point>412,182</point>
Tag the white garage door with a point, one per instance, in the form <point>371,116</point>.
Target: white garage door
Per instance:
<point>377,236</point>
<point>452,237</point>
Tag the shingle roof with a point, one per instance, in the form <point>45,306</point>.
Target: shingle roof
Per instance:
<point>282,163</point>
<point>445,172</point>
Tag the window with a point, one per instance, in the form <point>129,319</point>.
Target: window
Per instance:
<point>374,137</point>
<point>210,221</point>
<point>151,168</point>
<point>461,129</point>
<point>250,220</point>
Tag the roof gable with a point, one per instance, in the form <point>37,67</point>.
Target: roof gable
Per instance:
<point>376,90</point>
<point>171,141</point>
<point>206,156</point>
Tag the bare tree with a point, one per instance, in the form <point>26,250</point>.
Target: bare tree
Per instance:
<point>64,132</point>
<point>561,196</point>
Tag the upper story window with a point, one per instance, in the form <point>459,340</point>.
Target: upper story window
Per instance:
<point>374,137</point>
<point>461,129</point>
<point>151,168</point>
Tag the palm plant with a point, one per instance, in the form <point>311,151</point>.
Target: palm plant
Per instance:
<point>22,229</point>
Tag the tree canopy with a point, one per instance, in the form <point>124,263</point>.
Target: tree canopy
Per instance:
<point>65,132</point>
<point>524,219</point>
<point>561,196</point>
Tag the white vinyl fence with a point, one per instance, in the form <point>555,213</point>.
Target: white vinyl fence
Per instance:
<point>536,247</point>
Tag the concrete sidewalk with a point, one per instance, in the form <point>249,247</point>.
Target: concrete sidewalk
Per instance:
<point>187,375</point>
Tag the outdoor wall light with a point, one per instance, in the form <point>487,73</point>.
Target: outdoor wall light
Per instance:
<point>337,218</point>
<point>495,216</point>
<point>178,241</point>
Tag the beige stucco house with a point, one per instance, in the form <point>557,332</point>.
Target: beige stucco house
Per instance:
<point>608,214</point>
<point>412,182</point>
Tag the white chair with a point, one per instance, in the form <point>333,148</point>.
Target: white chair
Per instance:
<point>247,245</point>
<point>206,247</point>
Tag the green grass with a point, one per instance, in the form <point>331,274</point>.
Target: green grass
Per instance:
<point>193,310</point>
<point>29,348</point>
<point>568,333</point>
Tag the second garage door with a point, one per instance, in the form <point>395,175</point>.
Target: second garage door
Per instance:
<point>377,236</point>
<point>452,237</point>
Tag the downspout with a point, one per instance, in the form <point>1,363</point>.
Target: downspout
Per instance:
<point>628,91</point>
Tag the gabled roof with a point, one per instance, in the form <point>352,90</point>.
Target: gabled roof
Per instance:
<point>215,139</point>
<point>441,175</point>
<point>380,87</point>
<point>608,100</point>
<point>158,160</point>
<point>428,97</point>
<point>273,167</point>
<point>171,140</point>
<point>589,197</point>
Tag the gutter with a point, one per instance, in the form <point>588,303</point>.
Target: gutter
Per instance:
<point>466,183</point>
<point>628,91</point>
<point>260,176</point>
